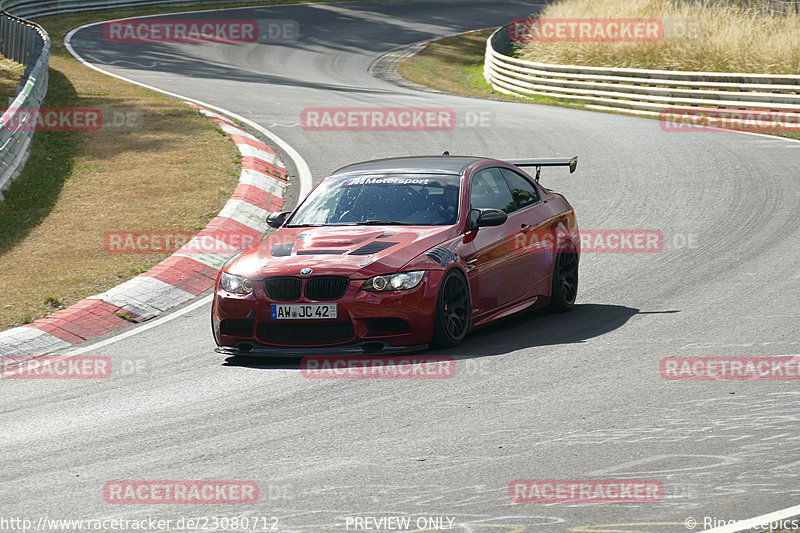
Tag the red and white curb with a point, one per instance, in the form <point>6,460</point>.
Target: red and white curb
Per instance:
<point>178,278</point>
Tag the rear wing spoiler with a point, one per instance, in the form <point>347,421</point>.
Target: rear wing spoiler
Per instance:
<point>571,162</point>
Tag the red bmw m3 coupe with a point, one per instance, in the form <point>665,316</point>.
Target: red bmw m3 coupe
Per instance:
<point>398,255</point>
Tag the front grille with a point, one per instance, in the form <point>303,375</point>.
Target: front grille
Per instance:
<point>326,287</point>
<point>284,289</point>
<point>307,333</point>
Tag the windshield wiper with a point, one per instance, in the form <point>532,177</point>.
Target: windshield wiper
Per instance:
<point>380,223</point>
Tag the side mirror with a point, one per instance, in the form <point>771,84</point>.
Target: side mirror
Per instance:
<point>277,218</point>
<point>491,217</point>
<point>481,218</point>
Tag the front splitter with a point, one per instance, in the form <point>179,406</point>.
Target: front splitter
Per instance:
<point>364,348</point>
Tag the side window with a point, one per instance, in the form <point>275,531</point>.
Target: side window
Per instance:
<point>523,191</point>
<point>489,189</point>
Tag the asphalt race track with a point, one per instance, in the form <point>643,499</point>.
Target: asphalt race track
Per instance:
<point>541,396</point>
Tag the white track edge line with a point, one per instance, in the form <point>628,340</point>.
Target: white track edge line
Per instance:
<point>756,521</point>
<point>144,327</point>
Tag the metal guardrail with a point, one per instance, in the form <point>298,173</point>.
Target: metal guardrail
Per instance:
<point>27,43</point>
<point>646,92</point>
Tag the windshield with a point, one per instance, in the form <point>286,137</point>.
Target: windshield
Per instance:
<point>407,199</point>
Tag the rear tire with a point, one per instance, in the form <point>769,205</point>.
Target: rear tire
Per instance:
<point>564,288</point>
<point>451,320</point>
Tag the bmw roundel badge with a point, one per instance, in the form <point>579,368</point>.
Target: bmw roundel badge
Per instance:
<point>305,271</point>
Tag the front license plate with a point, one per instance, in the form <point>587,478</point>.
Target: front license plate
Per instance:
<point>302,311</point>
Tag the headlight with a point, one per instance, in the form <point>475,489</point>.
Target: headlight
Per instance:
<point>394,282</point>
<point>235,284</point>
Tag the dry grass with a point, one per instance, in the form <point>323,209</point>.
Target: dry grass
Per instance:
<point>174,172</point>
<point>10,71</point>
<point>732,38</point>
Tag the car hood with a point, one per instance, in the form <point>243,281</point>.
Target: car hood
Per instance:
<point>356,252</point>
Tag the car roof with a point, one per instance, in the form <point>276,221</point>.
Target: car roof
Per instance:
<point>414,164</point>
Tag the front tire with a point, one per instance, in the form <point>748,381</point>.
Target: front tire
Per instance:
<point>564,288</point>
<point>451,321</point>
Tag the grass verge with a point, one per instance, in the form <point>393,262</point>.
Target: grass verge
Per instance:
<point>168,168</point>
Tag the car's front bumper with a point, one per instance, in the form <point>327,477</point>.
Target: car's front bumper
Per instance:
<point>367,322</point>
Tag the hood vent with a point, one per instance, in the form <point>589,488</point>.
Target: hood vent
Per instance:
<point>282,249</point>
<point>373,248</point>
<point>385,235</point>
<point>441,255</point>
<point>321,252</point>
